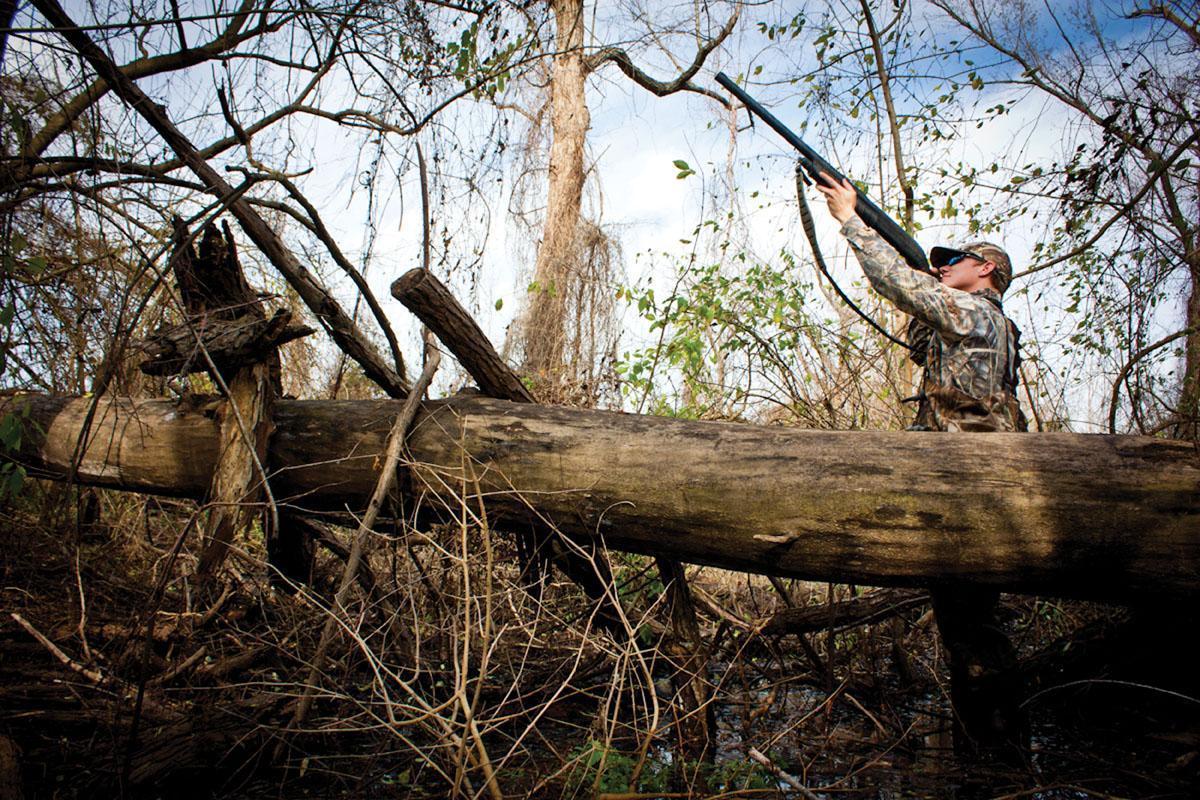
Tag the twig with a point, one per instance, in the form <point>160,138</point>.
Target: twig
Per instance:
<point>425,236</point>
<point>181,668</point>
<point>81,629</point>
<point>1134,359</point>
<point>709,604</point>
<point>219,669</point>
<point>382,488</point>
<point>783,776</point>
<point>92,675</point>
<point>1108,682</point>
<point>216,607</point>
<point>854,702</point>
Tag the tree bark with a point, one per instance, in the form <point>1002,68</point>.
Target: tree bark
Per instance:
<point>238,481</point>
<point>219,301</point>
<point>1101,517</point>
<point>695,719</point>
<point>544,331</point>
<point>432,303</point>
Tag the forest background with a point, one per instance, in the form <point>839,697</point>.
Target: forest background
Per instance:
<point>1068,132</point>
<point>572,172</point>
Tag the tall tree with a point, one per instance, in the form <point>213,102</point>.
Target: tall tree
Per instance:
<point>568,241</point>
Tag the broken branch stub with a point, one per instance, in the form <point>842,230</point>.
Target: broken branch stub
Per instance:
<point>432,303</point>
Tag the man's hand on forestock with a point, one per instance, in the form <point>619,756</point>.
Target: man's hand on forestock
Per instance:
<point>841,196</point>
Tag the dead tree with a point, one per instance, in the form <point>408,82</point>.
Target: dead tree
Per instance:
<point>227,333</point>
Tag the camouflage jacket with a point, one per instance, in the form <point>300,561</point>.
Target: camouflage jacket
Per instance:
<point>970,364</point>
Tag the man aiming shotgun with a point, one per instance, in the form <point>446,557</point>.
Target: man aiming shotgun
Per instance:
<point>968,347</point>
<point>971,357</point>
<point>969,350</point>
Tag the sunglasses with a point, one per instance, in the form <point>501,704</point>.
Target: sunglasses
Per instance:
<point>957,257</point>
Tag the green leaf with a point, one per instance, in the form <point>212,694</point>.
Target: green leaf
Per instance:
<point>10,432</point>
<point>500,304</point>
<point>681,164</point>
<point>15,480</point>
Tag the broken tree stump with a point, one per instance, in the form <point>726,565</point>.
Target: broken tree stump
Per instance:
<point>431,302</point>
<point>181,348</point>
<point>226,315</point>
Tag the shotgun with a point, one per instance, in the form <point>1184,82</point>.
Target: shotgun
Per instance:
<point>812,163</point>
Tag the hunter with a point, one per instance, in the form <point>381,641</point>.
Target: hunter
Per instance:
<point>969,350</point>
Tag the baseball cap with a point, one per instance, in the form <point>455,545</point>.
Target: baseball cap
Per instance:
<point>1002,275</point>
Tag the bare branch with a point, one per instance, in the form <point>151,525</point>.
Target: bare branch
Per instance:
<point>145,67</point>
<point>682,82</point>
<point>1161,11</point>
<point>317,297</point>
<point>1133,360</point>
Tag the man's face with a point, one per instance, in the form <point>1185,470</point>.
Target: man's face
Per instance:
<point>965,272</point>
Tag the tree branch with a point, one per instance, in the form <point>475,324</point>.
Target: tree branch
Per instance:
<point>682,82</point>
<point>1158,173</point>
<point>145,67</point>
<point>316,297</point>
<point>1160,11</point>
<point>1134,359</point>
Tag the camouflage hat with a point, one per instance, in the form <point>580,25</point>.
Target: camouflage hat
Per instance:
<point>1001,275</point>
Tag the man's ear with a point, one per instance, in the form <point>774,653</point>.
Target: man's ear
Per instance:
<point>987,269</point>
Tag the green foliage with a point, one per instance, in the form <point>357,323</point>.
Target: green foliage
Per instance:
<point>790,29</point>
<point>18,122</point>
<point>485,74</point>
<point>716,329</point>
<point>607,769</point>
<point>601,768</point>
<point>12,476</point>
<point>740,776</point>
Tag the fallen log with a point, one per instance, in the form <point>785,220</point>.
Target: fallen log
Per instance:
<point>1113,518</point>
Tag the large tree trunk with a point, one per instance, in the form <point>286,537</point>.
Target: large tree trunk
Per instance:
<point>1104,517</point>
<point>544,331</point>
